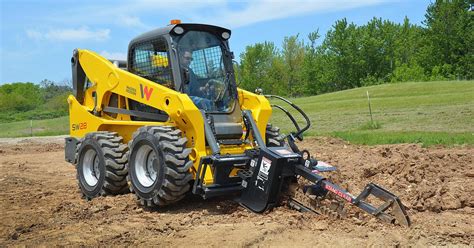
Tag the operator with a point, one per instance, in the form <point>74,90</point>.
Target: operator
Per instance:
<point>193,86</point>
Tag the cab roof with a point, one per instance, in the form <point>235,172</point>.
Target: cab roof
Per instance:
<point>186,26</point>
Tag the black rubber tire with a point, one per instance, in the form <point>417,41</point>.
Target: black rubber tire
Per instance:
<point>112,160</point>
<point>273,138</point>
<point>171,165</point>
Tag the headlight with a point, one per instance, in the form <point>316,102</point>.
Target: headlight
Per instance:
<point>225,35</point>
<point>178,30</point>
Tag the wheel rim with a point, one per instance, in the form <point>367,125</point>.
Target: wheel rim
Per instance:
<point>90,168</point>
<point>145,170</point>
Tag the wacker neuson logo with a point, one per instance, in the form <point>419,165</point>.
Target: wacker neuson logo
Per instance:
<point>131,90</point>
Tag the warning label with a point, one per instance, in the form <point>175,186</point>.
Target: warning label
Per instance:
<point>265,166</point>
<point>263,172</point>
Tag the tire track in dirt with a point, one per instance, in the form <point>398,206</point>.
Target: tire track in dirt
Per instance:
<point>41,204</point>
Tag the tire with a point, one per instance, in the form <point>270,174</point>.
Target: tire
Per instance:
<point>101,165</point>
<point>273,138</point>
<point>159,165</point>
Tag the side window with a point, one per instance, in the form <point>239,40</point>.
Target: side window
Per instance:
<point>151,60</point>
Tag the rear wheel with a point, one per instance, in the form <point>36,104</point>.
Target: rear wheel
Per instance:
<point>101,165</point>
<point>159,165</point>
<point>273,137</point>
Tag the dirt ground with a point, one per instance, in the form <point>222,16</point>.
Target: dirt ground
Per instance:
<point>41,205</point>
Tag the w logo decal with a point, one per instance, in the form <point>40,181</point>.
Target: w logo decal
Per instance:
<point>146,92</point>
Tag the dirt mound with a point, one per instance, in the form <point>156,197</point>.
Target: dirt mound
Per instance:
<point>31,145</point>
<point>41,204</point>
<point>434,179</point>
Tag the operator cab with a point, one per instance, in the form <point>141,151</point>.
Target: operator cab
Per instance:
<point>194,59</point>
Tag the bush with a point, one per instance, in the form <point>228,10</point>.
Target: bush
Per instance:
<point>440,73</point>
<point>25,101</point>
<point>20,97</point>
<point>408,73</point>
<point>58,102</point>
<point>371,80</point>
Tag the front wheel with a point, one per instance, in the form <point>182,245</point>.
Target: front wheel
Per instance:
<point>159,165</point>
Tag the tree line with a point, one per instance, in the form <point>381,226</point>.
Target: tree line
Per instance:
<point>20,101</point>
<point>380,51</point>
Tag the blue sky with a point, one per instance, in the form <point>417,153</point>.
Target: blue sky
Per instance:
<point>38,37</point>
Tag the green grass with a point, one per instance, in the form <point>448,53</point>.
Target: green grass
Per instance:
<point>370,125</point>
<point>425,138</point>
<point>422,112</point>
<point>35,114</point>
<point>56,126</point>
<point>430,113</point>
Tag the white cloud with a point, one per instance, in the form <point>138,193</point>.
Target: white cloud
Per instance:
<point>218,12</point>
<point>229,13</point>
<point>225,13</point>
<point>71,34</point>
<point>266,10</point>
<point>113,55</point>
<point>131,21</point>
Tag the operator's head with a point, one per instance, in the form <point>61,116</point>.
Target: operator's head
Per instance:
<point>186,58</point>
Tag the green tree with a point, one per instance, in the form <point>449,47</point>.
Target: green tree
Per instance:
<point>293,55</point>
<point>51,89</point>
<point>377,52</point>
<point>313,66</point>
<point>257,68</point>
<point>408,43</point>
<point>449,37</point>
<point>20,97</point>
<point>340,53</point>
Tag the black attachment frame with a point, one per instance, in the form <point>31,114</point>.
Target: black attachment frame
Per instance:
<point>223,184</point>
<point>391,201</point>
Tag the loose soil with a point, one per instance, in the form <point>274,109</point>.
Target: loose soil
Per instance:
<point>41,205</point>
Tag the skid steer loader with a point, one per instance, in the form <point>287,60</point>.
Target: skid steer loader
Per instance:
<point>170,120</point>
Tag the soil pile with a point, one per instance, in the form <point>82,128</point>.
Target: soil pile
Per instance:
<point>41,204</point>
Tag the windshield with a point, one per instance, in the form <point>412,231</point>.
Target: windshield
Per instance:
<point>206,79</point>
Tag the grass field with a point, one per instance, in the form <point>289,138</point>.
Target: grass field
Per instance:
<point>47,127</point>
<point>424,112</point>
